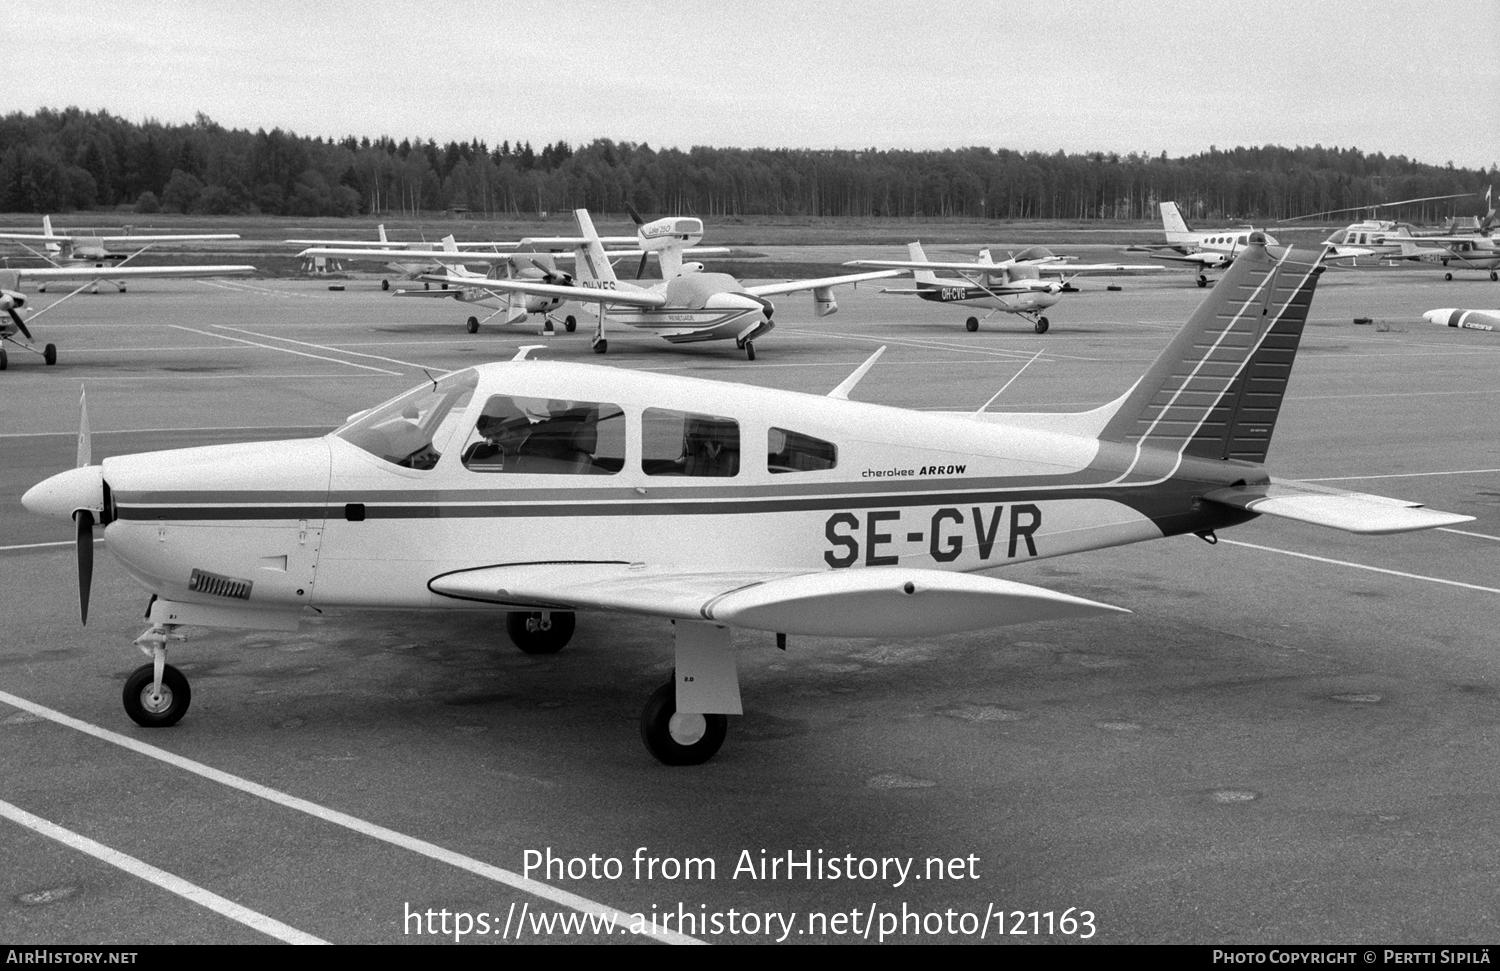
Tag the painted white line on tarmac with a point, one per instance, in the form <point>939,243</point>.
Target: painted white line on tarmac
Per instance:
<point>335,350</point>
<point>1465,532</point>
<point>286,350</point>
<point>430,850</point>
<point>1392,394</point>
<point>1398,475</point>
<point>1360,566</point>
<point>156,431</point>
<point>40,546</point>
<point>145,871</point>
<point>243,376</point>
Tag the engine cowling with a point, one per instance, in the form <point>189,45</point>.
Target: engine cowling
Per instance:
<point>823,302</point>
<point>11,300</point>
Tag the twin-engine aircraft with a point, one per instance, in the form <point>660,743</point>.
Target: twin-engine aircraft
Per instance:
<point>1212,249</point>
<point>687,306</point>
<point>542,489</point>
<point>1012,286</point>
<point>76,251</point>
<point>13,301</point>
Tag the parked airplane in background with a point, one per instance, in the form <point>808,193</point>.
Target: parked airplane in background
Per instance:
<point>1464,319</point>
<point>1012,286</point>
<point>542,489</point>
<point>1212,249</point>
<point>75,250</point>
<point>687,306</point>
<point>12,300</point>
<point>401,255</point>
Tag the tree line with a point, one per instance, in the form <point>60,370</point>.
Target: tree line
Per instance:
<point>56,161</point>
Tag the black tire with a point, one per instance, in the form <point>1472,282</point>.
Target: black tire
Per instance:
<point>385,284</point>
<point>1202,281</point>
<point>601,347</point>
<point>548,641</point>
<point>570,323</point>
<point>657,730</point>
<point>122,289</point>
<point>749,350</point>
<point>1448,277</point>
<point>49,354</point>
<point>1494,276</point>
<point>972,324</point>
<point>176,696</point>
<point>472,324</point>
<point>4,359</point>
<point>1042,325</point>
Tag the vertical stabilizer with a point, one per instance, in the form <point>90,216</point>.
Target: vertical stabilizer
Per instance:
<point>914,250</point>
<point>1175,226</point>
<point>1216,391</point>
<point>381,227</point>
<point>593,264</point>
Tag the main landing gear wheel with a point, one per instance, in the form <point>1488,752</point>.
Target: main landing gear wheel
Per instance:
<point>536,632</point>
<point>972,324</point>
<point>1494,276</point>
<point>49,354</point>
<point>570,323</point>
<point>1202,281</point>
<point>156,711</point>
<point>679,739</point>
<point>1448,277</point>
<point>385,284</point>
<point>601,347</point>
<point>4,359</point>
<point>473,325</point>
<point>1042,325</point>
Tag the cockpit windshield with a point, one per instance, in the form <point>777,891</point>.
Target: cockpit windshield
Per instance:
<point>412,430</point>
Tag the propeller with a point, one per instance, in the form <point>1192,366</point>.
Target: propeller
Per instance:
<point>20,324</point>
<point>84,518</point>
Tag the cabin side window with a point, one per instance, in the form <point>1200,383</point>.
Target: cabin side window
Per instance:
<point>546,436</point>
<point>411,431</point>
<point>689,444</point>
<point>789,451</point>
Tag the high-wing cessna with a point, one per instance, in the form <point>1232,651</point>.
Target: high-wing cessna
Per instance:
<point>1212,249</point>
<point>687,306</point>
<point>13,301</point>
<point>78,251</point>
<point>1464,319</point>
<point>542,489</point>
<point>1013,286</point>
<point>405,260</point>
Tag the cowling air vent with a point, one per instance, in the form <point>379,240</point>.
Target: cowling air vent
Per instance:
<point>215,585</point>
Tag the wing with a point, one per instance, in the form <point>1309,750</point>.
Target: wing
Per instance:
<point>1353,512</point>
<point>794,286</point>
<point>1196,259</point>
<point>873,602</point>
<point>582,294</point>
<point>120,240</point>
<point>1072,269</point>
<point>969,267</point>
<point>127,272</point>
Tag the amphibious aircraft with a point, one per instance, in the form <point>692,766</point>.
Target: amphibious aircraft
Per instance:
<point>1464,319</point>
<point>542,489</point>
<point>79,251</point>
<point>12,300</point>
<point>1211,249</point>
<point>1012,286</point>
<point>687,306</point>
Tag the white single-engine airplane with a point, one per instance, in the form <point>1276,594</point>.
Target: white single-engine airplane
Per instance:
<point>405,260</point>
<point>76,251</point>
<point>12,300</point>
<point>1212,249</point>
<point>1013,286</point>
<point>687,306</point>
<point>543,488</point>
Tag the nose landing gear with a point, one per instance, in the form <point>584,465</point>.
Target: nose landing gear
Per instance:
<point>156,695</point>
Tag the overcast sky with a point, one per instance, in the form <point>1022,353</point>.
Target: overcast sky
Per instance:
<point>1413,78</point>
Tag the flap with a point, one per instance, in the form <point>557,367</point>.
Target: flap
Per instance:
<point>874,602</point>
<point>1352,512</point>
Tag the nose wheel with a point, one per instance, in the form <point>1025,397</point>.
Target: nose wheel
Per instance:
<point>1042,325</point>
<point>156,705</point>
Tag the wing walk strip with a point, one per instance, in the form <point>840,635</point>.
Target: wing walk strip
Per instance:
<point>145,871</point>
<point>374,831</point>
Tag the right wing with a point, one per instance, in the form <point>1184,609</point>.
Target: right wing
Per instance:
<point>872,602</point>
<point>125,272</point>
<point>582,294</point>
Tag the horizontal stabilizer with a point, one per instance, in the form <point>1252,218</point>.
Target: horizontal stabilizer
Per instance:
<point>875,602</point>
<point>1352,512</point>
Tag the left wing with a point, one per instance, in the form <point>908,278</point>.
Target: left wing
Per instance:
<point>795,286</point>
<point>872,602</point>
<point>582,294</point>
<point>1352,512</point>
<point>126,272</point>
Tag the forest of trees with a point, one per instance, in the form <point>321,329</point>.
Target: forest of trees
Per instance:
<point>56,161</point>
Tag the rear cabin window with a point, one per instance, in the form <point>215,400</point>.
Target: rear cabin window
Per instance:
<point>546,436</point>
<point>789,451</point>
<point>689,444</point>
